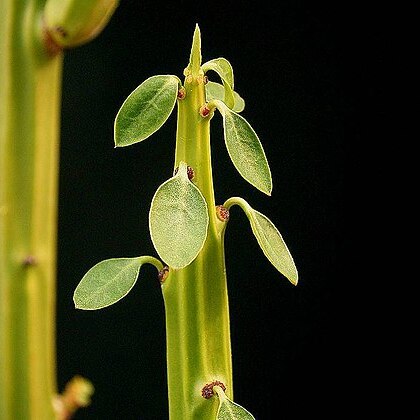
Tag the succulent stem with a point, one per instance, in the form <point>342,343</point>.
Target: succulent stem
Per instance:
<point>196,299</point>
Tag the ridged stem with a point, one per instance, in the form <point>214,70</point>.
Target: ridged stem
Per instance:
<point>196,298</point>
<point>29,122</point>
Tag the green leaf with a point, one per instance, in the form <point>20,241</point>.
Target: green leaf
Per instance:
<point>178,220</point>
<point>217,91</point>
<point>109,281</point>
<point>245,149</point>
<point>145,110</point>
<point>269,239</point>
<point>228,410</point>
<point>223,68</point>
<point>273,245</point>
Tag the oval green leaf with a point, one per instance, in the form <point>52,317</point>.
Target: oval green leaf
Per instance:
<point>245,149</point>
<point>145,110</point>
<point>109,281</point>
<point>269,239</point>
<point>178,220</point>
<point>223,68</point>
<point>217,91</point>
<point>273,245</point>
<point>228,410</point>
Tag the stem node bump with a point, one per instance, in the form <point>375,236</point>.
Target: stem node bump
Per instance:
<point>52,48</point>
<point>222,213</point>
<point>207,390</point>
<point>29,261</point>
<point>190,172</point>
<point>163,274</point>
<point>181,93</point>
<point>204,111</point>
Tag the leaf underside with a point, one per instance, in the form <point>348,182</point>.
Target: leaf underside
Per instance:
<point>224,69</point>
<point>245,150</point>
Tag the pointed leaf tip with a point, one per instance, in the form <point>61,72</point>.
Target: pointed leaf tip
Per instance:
<point>269,239</point>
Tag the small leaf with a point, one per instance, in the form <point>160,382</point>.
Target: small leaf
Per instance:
<point>178,220</point>
<point>145,110</point>
<point>269,239</point>
<point>228,410</point>
<point>245,149</point>
<point>273,245</point>
<point>217,91</point>
<point>223,68</point>
<point>109,281</point>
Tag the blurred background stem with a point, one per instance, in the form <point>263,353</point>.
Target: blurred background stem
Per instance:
<point>30,99</point>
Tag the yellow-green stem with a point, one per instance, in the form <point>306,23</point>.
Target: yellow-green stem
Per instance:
<point>30,90</point>
<point>196,298</point>
<point>29,122</point>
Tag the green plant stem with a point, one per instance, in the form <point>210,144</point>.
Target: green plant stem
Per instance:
<point>196,299</point>
<point>30,90</point>
<point>29,122</point>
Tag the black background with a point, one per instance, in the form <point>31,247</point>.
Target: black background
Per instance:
<point>311,74</point>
